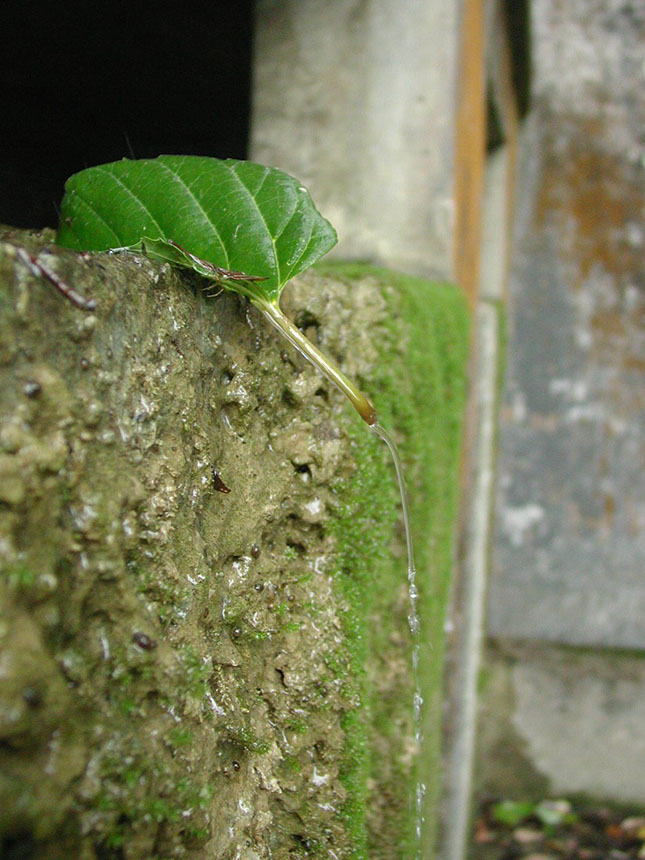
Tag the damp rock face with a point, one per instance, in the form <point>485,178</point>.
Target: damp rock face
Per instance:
<point>196,537</point>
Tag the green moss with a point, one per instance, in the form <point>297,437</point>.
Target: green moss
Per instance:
<point>127,706</point>
<point>20,578</point>
<point>294,724</point>
<point>419,393</point>
<point>141,790</point>
<point>251,634</point>
<point>290,627</point>
<point>290,763</point>
<point>195,673</point>
<point>245,738</point>
<point>179,737</point>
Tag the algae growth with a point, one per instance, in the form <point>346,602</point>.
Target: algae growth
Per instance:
<point>189,672</point>
<point>419,382</point>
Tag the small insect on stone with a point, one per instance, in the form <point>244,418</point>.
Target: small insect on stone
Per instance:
<point>31,388</point>
<point>32,696</point>
<point>218,483</point>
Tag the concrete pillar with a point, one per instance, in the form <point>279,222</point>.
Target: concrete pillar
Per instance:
<point>564,706</point>
<point>357,98</point>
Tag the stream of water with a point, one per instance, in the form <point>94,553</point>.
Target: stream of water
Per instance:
<point>413,623</point>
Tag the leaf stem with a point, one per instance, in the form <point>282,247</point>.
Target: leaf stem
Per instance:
<point>305,347</point>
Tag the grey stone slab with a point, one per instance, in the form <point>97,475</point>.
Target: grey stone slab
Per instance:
<point>557,721</point>
<point>569,557</point>
<point>569,547</point>
<point>582,722</point>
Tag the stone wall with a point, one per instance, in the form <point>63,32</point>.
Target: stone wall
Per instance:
<point>569,548</point>
<point>358,99</point>
<point>204,645</point>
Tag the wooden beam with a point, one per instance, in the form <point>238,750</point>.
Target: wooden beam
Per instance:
<point>501,77</point>
<point>470,148</point>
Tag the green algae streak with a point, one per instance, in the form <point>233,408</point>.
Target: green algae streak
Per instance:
<point>418,385</point>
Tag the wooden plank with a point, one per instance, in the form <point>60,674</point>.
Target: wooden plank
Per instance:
<point>501,77</point>
<point>470,148</point>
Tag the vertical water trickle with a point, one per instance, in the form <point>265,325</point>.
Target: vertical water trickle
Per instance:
<point>413,622</point>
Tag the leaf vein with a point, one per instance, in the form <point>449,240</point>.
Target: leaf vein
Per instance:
<point>200,207</point>
<point>287,222</point>
<point>305,249</point>
<point>98,215</point>
<point>134,196</point>
<point>262,218</point>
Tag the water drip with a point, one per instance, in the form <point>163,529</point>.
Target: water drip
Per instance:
<point>413,620</point>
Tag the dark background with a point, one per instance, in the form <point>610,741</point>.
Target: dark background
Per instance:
<point>86,83</point>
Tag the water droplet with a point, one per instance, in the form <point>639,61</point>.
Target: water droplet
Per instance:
<point>31,388</point>
<point>413,616</point>
<point>33,696</point>
<point>144,641</point>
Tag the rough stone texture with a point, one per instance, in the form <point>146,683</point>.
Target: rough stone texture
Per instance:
<point>184,669</point>
<point>565,722</point>
<point>569,550</point>
<point>357,99</point>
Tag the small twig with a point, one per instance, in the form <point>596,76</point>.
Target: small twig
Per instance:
<point>39,270</point>
<point>218,272</point>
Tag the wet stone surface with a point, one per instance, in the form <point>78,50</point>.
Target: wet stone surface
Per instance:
<point>169,649</point>
<point>204,646</point>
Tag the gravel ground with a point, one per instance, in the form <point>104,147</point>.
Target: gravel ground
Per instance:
<point>555,829</point>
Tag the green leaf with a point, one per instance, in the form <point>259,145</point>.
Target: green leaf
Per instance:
<point>512,812</point>
<point>553,813</point>
<point>228,220</point>
<point>249,228</point>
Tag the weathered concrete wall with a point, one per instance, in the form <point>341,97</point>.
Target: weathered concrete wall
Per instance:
<point>185,672</point>
<point>565,708</point>
<point>570,544</point>
<point>559,721</point>
<point>358,100</point>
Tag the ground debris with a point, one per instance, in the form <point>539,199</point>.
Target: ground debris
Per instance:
<point>554,830</point>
